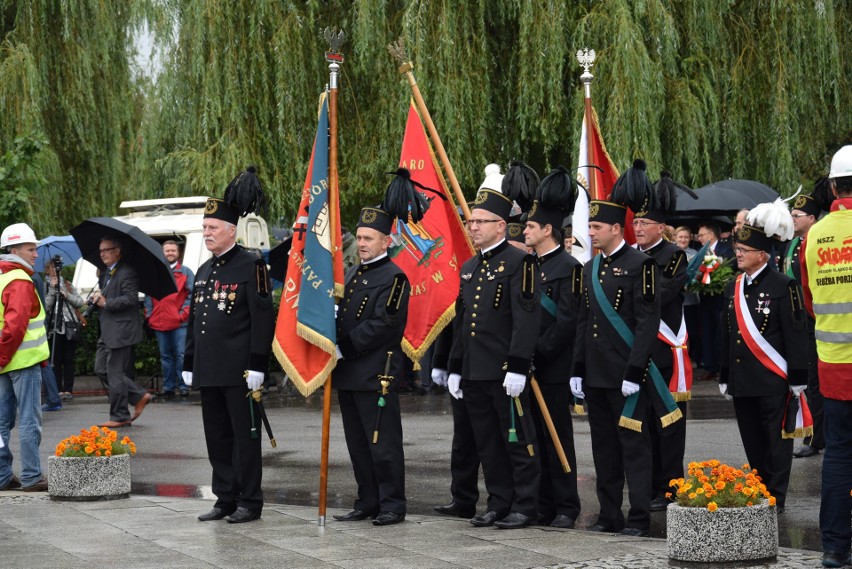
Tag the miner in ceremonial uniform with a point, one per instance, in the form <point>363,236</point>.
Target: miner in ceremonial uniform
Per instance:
<point>616,335</point>
<point>670,352</point>
<point>370,325</point>
<point>560,287</point>
<point>764,362</point>
<point>229,336</point>
<point>491,359</point>
<point>806,211</point>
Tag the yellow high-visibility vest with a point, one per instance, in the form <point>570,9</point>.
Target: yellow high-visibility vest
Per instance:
<point>33,348</point>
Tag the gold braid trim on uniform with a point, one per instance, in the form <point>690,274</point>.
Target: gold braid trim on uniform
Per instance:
<point>798,433</point>
<point>518,406</point>
<point>632,424</point>
<point>681,396</point>
<point>528,283</point>
<point>262,276</point>
<point>649,285</point>
<point>673,264</point>
<point>577,280</point>
<point>395,298</point>
<point>671,418</point>
<point>531,450</point>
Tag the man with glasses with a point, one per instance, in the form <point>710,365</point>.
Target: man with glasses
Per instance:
<point>667,444</point>
<point>806,212</point>
<point>497,314</point>
<point>711,304</point>
<point>121,329</point>
<point>763,363</point>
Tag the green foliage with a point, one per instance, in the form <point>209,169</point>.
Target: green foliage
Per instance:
<point>20,181</point>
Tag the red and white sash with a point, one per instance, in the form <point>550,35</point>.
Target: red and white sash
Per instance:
<point>680,383</point>
<point>762,350</point>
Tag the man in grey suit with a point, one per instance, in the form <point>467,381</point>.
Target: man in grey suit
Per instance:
<point>121,329</point>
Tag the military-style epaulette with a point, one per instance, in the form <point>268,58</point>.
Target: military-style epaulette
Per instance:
<point>528,283</point>
<point>673,264</point>
<point>577,280</point>
<point>395,298</point>
<point>262,276</point>
<point>649,277</point>
<point>796,304</point>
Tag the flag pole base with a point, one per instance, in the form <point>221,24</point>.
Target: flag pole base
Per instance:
<point>321,521</point>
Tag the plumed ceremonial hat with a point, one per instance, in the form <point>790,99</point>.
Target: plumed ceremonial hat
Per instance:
<point>555,198</point>
<point>244,195</point>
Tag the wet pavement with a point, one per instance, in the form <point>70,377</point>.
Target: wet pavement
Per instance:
<point>172,462</point>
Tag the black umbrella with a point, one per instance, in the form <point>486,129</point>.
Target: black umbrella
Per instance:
<point>278,258</point>
<point>725,197</point>
<point>138,250</point>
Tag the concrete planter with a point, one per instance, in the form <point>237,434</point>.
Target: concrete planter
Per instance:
<point>88,478</point>
<point>726,535</point>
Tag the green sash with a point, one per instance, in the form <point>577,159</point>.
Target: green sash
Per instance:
<point>548,304</point>
<point>788,262</point>
<point>627,420</point>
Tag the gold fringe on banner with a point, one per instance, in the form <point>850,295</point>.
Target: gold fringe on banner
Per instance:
<point>414,354</point>
<point>798,433</point>
<point>681,396</point>
<point>632,424</point>
<point>667,420</point>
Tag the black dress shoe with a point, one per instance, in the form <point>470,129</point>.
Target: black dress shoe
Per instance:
<point>214,514</point>
<point>485,520</point>
<point>456,510</point>
<point>388,519</point>
<point>601,528</point>
<point>354,516</point>
<point>515,520</point>
<point>659,504</point>
<point>633,532</point>
<point>835,559</point>
<point>805,451</point>
<point>562,521</point>
<point>242,515</point>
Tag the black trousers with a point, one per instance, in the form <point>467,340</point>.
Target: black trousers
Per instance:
<point>620,453</point>
<point>668,445</point>
<point>512,469</point>
<point>111,367</point>
<point>63,354</point>
<point>558,490</point>
<point>464,460</point>
<point>234,455</point>
<point>759,420</point>
<point>813,393</point>
<point>379,468</point>
<point>711,330</point>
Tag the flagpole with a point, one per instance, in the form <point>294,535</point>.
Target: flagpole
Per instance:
<point>586,58</point>
<point>397,50</point>
<point>334,59</point>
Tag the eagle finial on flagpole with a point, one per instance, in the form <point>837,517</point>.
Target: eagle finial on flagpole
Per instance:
<point>586,58</point>
<point>397,51</point>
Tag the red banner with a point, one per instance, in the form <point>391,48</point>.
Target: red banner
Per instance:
<point>432,251</point>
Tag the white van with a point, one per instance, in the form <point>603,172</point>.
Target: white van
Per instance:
<point>178,219</point>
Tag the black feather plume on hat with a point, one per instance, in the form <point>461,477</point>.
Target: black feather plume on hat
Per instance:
<point>558,190</point>
<point>633,188</point>
<point>822,194</point>
<point>402,199</point>
<point>666,193</point>
<point>245,193</point>
<point>520,184</point>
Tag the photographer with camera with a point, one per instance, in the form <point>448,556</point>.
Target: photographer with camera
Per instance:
<point>65,325</point>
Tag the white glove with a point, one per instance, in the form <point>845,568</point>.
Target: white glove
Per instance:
<point>577,387</point>
<point>797,390</point>
<point>439,377</point>
<point>338,353</point>
<point>454,385</point>
<point>187,377</point>
<point>628,388</point>
<point>254,380</point>
<point>336,308</point>
<point>514,383</point>
<point>723,389</point>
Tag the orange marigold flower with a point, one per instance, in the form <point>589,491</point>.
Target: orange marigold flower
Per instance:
<point>720,485</point>
<point>691,496</point>
<point>668,495</point>
<point>712,506</point>
<point>772,500</point>
<point>699,490</point>
<point>749,504</point>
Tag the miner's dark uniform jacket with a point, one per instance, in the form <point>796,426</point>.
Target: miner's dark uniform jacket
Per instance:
<point>560,286</point>
<point>667,443</point>
<point>628,278</point>
<point>464,460</point>
<point>497,307</point>
<point>230,329</point>
<point>760,396</point>
<point>790,265</point>
<point>370,323</point>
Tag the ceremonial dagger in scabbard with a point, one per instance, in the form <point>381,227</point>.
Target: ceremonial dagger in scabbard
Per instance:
<point>385,381</point>
<point>257,396</point>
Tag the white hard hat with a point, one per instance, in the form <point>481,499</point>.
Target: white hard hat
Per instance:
<point>841,163</point>
<point>493,178</point>
<point>16,234</point>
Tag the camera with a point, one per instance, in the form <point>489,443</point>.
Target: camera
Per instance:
<point>57,263</point>
<point>90,309</point>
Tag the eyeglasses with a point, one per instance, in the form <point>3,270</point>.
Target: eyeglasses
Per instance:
<point>743,250</point>
<point>644,223</point>
<point>798,215</point>
<point>475,222</point>
<point>107,249</point>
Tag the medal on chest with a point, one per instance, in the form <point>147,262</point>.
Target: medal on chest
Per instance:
<point>762,305</point>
